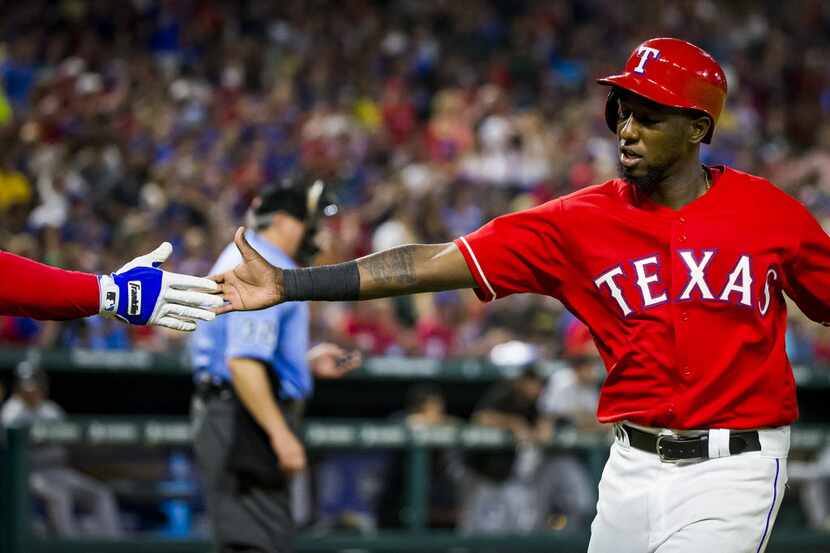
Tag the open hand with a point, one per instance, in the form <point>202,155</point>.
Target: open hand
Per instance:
<point>251,285</point>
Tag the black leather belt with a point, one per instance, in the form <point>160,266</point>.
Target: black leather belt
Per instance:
<point>210,389</point>
<point>674,449</point>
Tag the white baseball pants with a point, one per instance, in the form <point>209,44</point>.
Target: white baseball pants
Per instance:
<point>725,504</point>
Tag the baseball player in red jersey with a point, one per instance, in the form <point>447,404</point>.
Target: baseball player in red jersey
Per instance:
<point>137,293</point>
<point>679,271</point>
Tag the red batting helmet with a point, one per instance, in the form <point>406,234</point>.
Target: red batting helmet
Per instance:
<point>674,73</point>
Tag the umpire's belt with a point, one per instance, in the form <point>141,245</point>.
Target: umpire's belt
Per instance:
<point>674,449</point>
<point>208,390</point>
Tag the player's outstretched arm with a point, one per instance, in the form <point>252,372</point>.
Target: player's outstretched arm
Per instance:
<point>137,293</point>
<point>410,269</point>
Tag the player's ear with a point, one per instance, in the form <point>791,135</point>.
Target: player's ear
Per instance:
<point>699,125</point>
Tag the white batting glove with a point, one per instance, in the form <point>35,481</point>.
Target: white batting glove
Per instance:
<point>140,293</point>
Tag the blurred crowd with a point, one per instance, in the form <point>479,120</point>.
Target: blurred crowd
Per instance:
<point>123,124</point>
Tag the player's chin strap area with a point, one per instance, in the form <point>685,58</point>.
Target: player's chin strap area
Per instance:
<point>686,449</point>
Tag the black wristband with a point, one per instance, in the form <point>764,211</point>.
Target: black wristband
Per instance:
<point>339,282</point>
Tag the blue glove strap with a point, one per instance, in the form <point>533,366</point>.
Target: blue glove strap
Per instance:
<point>139,290</point>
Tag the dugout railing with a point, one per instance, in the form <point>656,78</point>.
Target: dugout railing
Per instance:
<point>318,435</point>
<point>382,368</point>
<point>157,432</point>
<point>15,509</point>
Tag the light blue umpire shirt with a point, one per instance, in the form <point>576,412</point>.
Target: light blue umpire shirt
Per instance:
<point>277,336</point>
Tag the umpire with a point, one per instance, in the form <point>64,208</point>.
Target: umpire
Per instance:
<point>253,373</point>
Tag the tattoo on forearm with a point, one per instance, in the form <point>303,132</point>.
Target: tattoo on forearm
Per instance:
<point>394,268</point>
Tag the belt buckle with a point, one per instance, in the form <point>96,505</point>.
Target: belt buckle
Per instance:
<point>662,454</point>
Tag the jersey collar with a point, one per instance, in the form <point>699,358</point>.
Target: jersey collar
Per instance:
<point>716,172</point>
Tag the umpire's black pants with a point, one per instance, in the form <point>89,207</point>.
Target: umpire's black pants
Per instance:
<point>246,517</point>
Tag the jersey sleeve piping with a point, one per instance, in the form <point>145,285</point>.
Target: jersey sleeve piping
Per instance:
<point>481,274</point>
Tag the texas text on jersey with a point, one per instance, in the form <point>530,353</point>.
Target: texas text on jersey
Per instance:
<point>686,306</point>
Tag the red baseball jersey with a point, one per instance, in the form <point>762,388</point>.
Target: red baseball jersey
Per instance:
<point>32,289</point>
<point>685,306</point>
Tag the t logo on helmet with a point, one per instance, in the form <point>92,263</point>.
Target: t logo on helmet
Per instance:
<point>644,52</point>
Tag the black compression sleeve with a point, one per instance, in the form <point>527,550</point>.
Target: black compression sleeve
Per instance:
<point>339,282</point>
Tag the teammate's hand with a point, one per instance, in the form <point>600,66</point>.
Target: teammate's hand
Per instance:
<point>140,293</point>
<point>253,284</point>
<point>290,452</point>
<point>331,361</point>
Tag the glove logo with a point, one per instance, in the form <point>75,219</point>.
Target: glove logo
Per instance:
<point>134,305</point>
<point>111,301</point>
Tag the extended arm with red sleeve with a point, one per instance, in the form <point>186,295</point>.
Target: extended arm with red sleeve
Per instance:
<point>519,252</point>
<point>807,276</point>
<point>31,289</point>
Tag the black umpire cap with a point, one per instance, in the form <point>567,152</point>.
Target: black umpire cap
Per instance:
<point>301,195</point>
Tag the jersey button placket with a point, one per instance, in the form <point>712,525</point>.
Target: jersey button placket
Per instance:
<point>669,414</point>
<point>683,376</point>
<point>682,221</point>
